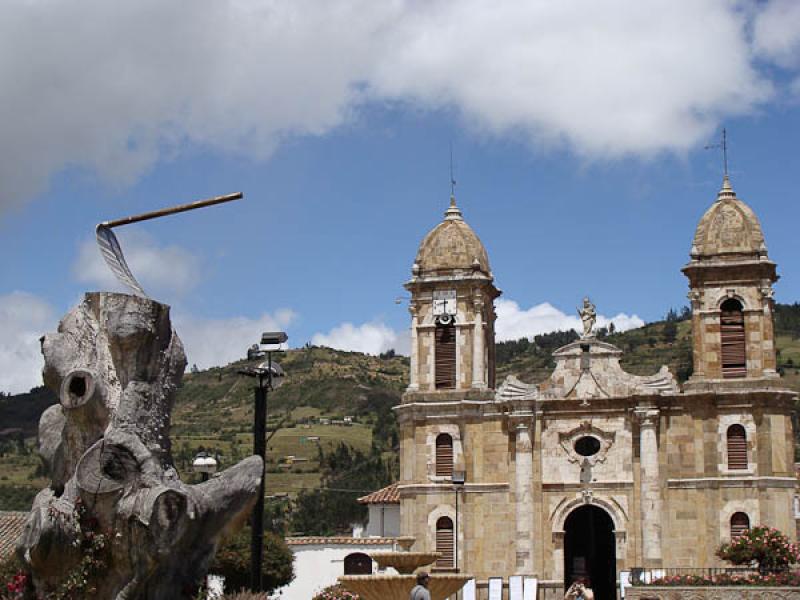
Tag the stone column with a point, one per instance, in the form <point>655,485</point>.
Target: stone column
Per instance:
<point>413,383</point>
<point>768,358</point>
<point>698,336</point>
<point>523,492</point>
<point>478,364</point>
<point>650,486</point>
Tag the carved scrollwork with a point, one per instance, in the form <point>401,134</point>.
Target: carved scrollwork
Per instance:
<point>568,439</point>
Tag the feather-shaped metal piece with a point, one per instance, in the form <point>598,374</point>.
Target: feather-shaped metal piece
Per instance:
<point>112,251</point>
<point>115,259</point>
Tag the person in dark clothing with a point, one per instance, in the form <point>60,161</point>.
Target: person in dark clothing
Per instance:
<point>420,591</point>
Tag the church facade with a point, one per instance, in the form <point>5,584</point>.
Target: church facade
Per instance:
<point>594,470</point>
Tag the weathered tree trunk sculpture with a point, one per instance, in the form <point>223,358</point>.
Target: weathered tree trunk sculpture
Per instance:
<point>115,364</point>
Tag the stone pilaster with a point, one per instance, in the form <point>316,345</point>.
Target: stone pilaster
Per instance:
<point>769,360</point>
<point>650,486</point>
<point>523,492</point>
<point>478,364</point>
<point>413,384</point>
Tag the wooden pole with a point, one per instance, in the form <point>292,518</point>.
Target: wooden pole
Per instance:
<point>171,211</point>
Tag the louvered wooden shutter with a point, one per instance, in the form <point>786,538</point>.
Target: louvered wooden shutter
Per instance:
<point>740,523</point>
<point>445,353</point>
<point>444,455</point>
<point>734,360</point>
<point>444,542</point>
<point>737,447</point>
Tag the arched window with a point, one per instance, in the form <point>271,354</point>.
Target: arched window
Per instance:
<point>444,542</point>
<point>445,356</point>
<point>740,523</point>
<point>357,563</point>
<point>737,447</point>
<point>734,360</point>
<point>444,455</point>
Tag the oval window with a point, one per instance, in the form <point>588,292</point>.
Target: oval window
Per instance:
<point>587,446</point>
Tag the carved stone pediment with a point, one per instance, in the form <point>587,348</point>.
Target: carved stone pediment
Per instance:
<point>586,429</point>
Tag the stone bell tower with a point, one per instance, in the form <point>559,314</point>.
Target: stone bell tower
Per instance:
<point>452,310</point>
<point>730,280</point>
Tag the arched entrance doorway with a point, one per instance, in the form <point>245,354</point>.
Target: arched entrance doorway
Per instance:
<point>590,550</point>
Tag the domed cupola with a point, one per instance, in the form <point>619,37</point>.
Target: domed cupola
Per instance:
<point>452,312</point>
<point>730,281</point>
<point>728,230</point>
<point>451,246</point>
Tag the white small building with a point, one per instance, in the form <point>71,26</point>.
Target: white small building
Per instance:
<point>384,512</point>
<point>319,561</point>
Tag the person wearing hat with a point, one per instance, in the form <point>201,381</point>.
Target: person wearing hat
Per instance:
<point>420,591</point>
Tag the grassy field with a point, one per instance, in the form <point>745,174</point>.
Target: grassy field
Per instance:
<point>214,408</point>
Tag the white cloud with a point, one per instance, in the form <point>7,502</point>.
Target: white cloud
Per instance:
<point>776,32</point>
<point>24,318</point>
<point>163,271</point>
<point>608,78</point>
<point>370,338</point>
<point>514,322</point>
<point>112,87</point>
<point>215,342</point>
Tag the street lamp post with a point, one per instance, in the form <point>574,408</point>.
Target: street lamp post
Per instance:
<point>263,375</point>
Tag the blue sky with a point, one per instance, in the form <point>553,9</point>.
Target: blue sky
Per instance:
<point>578,131</point>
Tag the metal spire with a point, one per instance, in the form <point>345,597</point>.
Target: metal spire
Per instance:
<point>452,179</point>
<point>723,145</point>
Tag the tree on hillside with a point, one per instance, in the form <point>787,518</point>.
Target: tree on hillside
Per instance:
<point>347,474</point>
<point>670,332</point>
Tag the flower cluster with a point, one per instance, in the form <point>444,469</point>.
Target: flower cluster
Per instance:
<point>336,592</point>
<point>95,552</point>
<point>785,578</point>
<point>767,547</point>
<point>16,588</point>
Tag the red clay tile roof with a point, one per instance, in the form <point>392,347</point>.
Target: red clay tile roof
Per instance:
<point>339,540</point>
<point>387,495</point>
<point>11,525</point>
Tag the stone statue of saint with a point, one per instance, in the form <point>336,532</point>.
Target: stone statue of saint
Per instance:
<point>588,317</point>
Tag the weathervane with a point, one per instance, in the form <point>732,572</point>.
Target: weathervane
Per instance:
<point>112,251</point>
<point>452,179</point>
<point>724,146</point>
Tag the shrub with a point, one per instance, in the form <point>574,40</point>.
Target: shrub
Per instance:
<point>786,578</point>
<point>233,562</point>
<point>767,547</point>
<point>336,592</point>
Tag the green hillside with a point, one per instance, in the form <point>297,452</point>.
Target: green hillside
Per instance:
<point>311,446</point>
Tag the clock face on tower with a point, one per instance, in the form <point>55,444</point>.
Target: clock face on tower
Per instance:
<point>444,303</point>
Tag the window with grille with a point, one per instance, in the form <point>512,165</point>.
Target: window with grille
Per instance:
<point>740,523</point>
<point>357,563</point>
<point>444,455</point>
<point>734,361</point>
<point>737,447</point>
<point>444,542</point>
<point>445,356</point>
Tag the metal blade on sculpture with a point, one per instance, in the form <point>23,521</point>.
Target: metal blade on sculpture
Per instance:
<point>112,253</point>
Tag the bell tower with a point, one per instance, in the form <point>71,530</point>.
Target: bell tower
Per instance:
<point>730,289</point>
<point>452,310</point>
